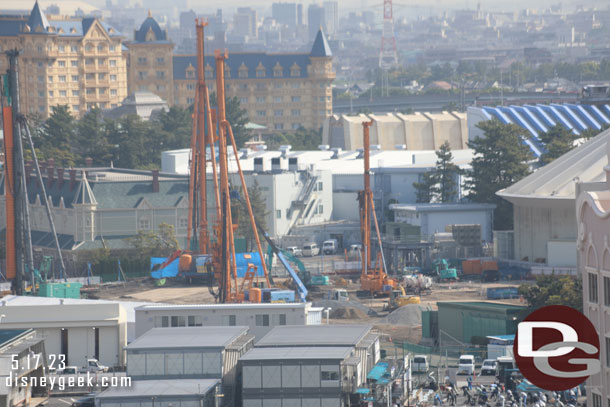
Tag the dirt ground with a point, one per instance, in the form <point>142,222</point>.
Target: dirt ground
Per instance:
<point>175,292</point>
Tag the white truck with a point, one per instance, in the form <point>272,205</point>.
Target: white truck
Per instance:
<point>330,246</point>
<point>466,365</point>
<point>94,366</point>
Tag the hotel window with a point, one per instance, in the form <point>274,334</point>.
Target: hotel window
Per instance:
<point>183,223</point>
<point>160,60</point>
<point>592,287</point>
<point>260,73</point>
<point>296,98</point>
<point>160,74</point>
<point>277,85</point>
<point>101,76</point>
<point>40,94</point>
<point>112,78</point>
<point>39,48</point>
<point>142,75</point>
<point>142,61</point>
<point>75,93</point>
<point>40,64</point>
<point>321,99</point>
<point>74,78</point>
<point>295,72</point>
<point>73,48</point>
<point>61,48</point>
<point>62,78</point>
<point>261,113</point>
<point>90,76</point>
<point>101,61</point>
<point>190,73</point>
<point>243,100</point>
<point>112,48</point>
<point>88,47</point>
<point>296,112</point>
<point>161,88</point>
<point>102,91</point>
<point>113,105</point>
<point>113,92</point>
<point>262,320</point>
<point>40,78</point>
<point>190,101</point>
<point>296,126</point>
<point>278,72</point>
<point>279,126</point>
<point>144,223</point>
<point>74,63</point>
<point>277,99</point>
<point>190,86</point>
<point>51,94</point>
<point>278,112</point>
<point>296,85</point>
<point>75,108</point>
<point>260,99</point>
<point>89,61</point>
<point>61,64</point>
<point>112,62</point>
<point>243,72</point>
<point>50,79</point>
<point>63,93</point>
<point>100,48</point>
<point>607,292</point>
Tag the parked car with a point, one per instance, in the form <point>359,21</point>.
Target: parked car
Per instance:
<point>311,249</point>
<point>420,364</point>
<point>355,248</point>
<point>338,294</point>
<point>86,401</point>
<point>68,370</point>
<point>489,367</point>
<point>466,365</point>
<point>294,250</point>
<point>94,366</point>
<point>330,246</point>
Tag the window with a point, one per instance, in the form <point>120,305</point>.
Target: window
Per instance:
<point>113,92</point>
<point>195,320</point>
<point>243,100</point>
<point>295,72</point>
<point>112,48</point>
<point>50,79</point>
<point>278,214</point>
<point>278,72</point>
<point>607,291</point>
<point>89,61</point>
<point>243,86</point>
<point>113,105</point>
<point>183,223</point>
<point>321,99</point>
<point>320,209</point>
<point>190,101</point>
<point>160,74</point>
<point>260,73</point>
<point>141,74</point>
<point>63,93</point>
<point>261,113</point>
<point>190,74</point>
<point>74,63</point>
<point>161,322</point>
<point>101,61</point>
<point>277,85</point>
<point>320,186</point>
<point>597,400</point>
<point>296,112</point>
<point>296,98</point>
<point>262,320</point>
<point>190,86</point>
<point>41,109</point>
<point>61,64</point>
<point>296,85</point>
<point>90,76</point>
<point>209,74</point>
<point>100,48</point>
<point>592,287</point>
<point>160,60</point>
<point>112,62</point>
<point>608,352</point>
<point>260,99</point>
<point>296,126</point>
<point>277,99</point>
<point>112,78</point>
<point>328,373</point>
<point>40,78</point>
<point>178,321</point>
<point>142,61</point>
<point>278,112</point>
<point>229,320</point>
<point>74,78</point>
<point>278,126</point>
<point>144,223</point>
<point>62,78</point>
<point>279,319</point>
<point>75,108</point>
<point>40,64</point>
<point>243,73</point>
<point>73,48</point>
<point>75,93</point>
<point>101,76</point>
<point>40,94</point>
<point>51,94</point>
<point>39,48</point>
<point>260,86</point>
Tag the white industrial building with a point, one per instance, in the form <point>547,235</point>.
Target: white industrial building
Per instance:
<point>78,331</point>
<point>434,218</point>
<point>545,229</point>
<point>260,318</point>
<point>416,131</point>
<point>313,366</point>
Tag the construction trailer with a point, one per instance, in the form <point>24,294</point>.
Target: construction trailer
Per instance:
<point>190,353</point>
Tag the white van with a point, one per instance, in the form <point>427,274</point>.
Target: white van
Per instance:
<point>311,249</point>
<point>420,364</point>
<point>330,246</point>
<point>466,365</point>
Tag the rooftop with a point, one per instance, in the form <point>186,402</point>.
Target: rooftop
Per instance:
<point>315,335</point>
<point>497,306</point>
<point>189,337</point>
<point>9,335</point>
<point>160,307</point>
<point>299,353</point>
<point>441,207</point>
<point>148,388</point>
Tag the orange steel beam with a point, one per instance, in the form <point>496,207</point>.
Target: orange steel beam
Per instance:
<point>202,164</point>
<point>246,195</point>
<point>9,164</point>
<point>366,199</point>
<point>192,176</point>
<point>211,140</point>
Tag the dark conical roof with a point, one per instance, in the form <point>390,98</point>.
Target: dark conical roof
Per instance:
<point>150,24</point>
<point>37,21</point>
<point>320,46</point>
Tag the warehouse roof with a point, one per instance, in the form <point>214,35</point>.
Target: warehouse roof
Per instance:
<point>160,307</point>
<point>315,335</point>
<point>438,207</point>
<point>148,388</point>
<point>189,337</point>
<point>298,353</point>
<point>491,306</point>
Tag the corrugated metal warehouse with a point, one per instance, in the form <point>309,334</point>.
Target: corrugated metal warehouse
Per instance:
<point>190,353</point>
<point>465,320</point>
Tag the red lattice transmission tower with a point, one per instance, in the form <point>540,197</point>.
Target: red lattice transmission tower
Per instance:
<point>388,57</point>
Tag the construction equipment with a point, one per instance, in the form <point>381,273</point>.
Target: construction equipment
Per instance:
<point>337,294</point>
<point>487,270</point>
<point>399,298</point>
<point>442,270</point>
<point>373,280</point>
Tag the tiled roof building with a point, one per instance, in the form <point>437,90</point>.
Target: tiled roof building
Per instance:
<point>78,63</point>
<point>280,91</point>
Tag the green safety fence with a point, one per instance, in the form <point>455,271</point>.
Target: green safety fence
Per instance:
<point>108,269</point>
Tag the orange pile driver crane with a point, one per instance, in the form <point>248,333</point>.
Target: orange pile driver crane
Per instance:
<point>373,279</point>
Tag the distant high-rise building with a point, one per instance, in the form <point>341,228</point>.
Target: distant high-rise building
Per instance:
<point>331,16</point>
<point>244,22</point>
<point>300,14</point>
<point>285,13</point>
<point>187,23</point>
<point>315,20</point>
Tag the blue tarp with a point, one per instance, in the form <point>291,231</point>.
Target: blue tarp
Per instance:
<point>378,371</point>
<point>170,271</point>
<point>526,386</point>
<point>363,391</point>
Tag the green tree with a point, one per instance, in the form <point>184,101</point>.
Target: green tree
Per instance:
<point>237,117</point>
<point>150,243</point>
<point>558,140</point>
<point>241,216</point>
<point>301,140</point>
<point>423,188</point>
<point>57,136</point>
<point>445,189</point>
<point>500,160</point>
<point>553,290</point>
<point>176,124</point>
<point>91,139</point>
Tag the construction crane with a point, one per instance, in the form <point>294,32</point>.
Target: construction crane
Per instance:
<point>374,280</point>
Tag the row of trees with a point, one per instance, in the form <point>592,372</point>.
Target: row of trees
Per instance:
<point>500,160</point>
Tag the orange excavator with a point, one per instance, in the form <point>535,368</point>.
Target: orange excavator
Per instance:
<point>214,260</point>
<point>374,279</point>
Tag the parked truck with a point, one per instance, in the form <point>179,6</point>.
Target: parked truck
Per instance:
<point>486,270</point>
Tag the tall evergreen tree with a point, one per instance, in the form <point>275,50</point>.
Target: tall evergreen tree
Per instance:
<point>500,160</point>
<point>259,210</point>
<point>423,189</point>
<point>58,136</point>
<point>445,189</point>
<point>92,140</point>
<point>558,140</point>
<point>237,117</point>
